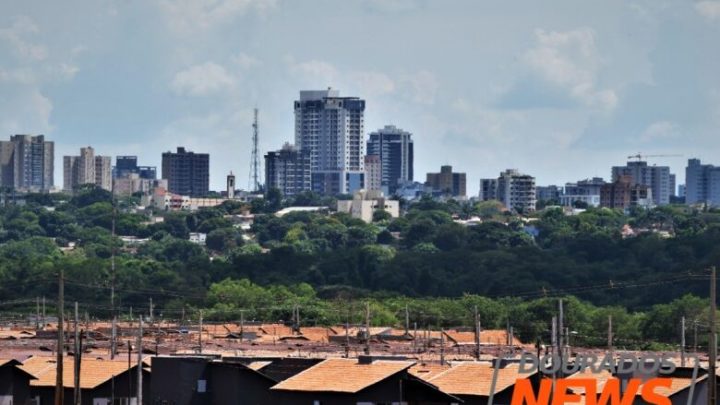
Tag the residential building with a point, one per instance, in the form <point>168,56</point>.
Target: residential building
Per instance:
<point>161,198</point>
<point>365,203</point>
<point>517,191</point>
<point>14,383</point>
<point>86,168</point>
<point>395,149</point>
<point>373,173</point>
<point>187,173</point>
<point>288,170</point>
<point>488,189</point>
<point>126,165</point>
<point>132,183</point>
<point>447,182</point>
<point>625,193</point>
<point>27,163</point>
<point>410,190</point>
<point>548,193</point>
<point>702,183</point>
<point>657,178</point>
<point>103,172</point>
<point>331,129</point>
<point>584,191</point>
<point>681,191</point>
<point>100,380</point>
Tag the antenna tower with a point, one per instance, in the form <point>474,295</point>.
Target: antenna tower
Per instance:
<point>254,182</point>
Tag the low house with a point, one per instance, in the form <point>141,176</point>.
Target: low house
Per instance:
<point>14,383</point>
<point>363,380</point>
<point>101,381</point>
<point>208,380</point>
<point>473,381</point>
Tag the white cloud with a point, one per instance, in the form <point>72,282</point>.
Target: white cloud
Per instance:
<point>15,37</point>
<point>314,69</point>
<point>245,61</point>
<point>372,84</point>
<point>660,130</point>
<point>571,60</point>
<point>420,87</point>
<point>25,111</point>
<point>187,16</point>
<point>709,9</point>
<point>202,80</point>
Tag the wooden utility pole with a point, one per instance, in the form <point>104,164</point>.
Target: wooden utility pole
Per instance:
<point>76,362</point>
<point>59,389</point>
<point>113,332</point>
<point>477,334</point>
<point>129,346</point>
<point>37,313</point>
<point>139,363</point>
<point>242,324</point>
<point>44,318</point>
<point>200,333</point>
<point>610,334</point>
<point>415,337</point>
<point>150,318</point>
<point>682,342</point>
<point>712,342</point>
<point>442,347</point>
<point>560,328</point>
<point>367,328</point>
<point>407,321</point>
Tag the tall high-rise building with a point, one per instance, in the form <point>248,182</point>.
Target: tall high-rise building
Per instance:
<point>87,168</point>
<point>331,129</point>
<point>27,163</point>
<point>126,165</point>
<point>447,182</point>
<point>373,173</point>
<point>288,170</point>
<point>488,189</point>
<point>702,183</point>
<point>658,178</point>
<point>187,173</point>
<point>103,172</point>
<point>395,149</point>
<point>624,193</point>
<point>517,191</point>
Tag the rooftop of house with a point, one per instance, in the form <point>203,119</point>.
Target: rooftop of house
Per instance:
<point>475,378</point>
<point>342,375</point>
<point>93,372</point>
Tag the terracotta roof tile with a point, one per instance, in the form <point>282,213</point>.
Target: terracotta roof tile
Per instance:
<point>427,371</point>
<point>488,337</point>
<point>92,372</point>
<point>342,375</point>
<point>472,378</point>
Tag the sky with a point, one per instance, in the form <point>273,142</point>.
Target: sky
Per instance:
<point>562,90</point>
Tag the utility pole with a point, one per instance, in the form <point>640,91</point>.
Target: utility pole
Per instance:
<point>44,321</point>
<point>76,370</point>
<point>200,332</point>
<point>129,346</point>
<point>560,328</point>
<point>682,342</point>
<point>37,313</point>
<point>59,389</point>
<point>367,328</point>
<point>113,332</point>
<point>407,321</point>
<point>139,363</point>
<point>477,334</point>
<point>695,331</point>
<point>242,324</point>
<point>442,346</point>
<point>415,337</point>
<point>150,319</point>
<point>610,334</point>
<point>712,342</point>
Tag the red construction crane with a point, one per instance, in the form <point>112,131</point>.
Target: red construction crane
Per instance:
<point>639,156</point>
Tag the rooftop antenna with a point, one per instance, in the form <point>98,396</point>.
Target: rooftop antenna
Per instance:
<point>254,182</point>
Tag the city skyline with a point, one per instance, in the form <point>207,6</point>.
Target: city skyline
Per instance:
<point>566,95</point>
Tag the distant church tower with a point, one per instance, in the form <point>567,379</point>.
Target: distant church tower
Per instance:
<point>231,186</point>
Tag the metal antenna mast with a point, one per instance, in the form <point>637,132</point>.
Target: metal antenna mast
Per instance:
<point>254,158</point>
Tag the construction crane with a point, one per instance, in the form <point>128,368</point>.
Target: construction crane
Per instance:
<point>639,156</point>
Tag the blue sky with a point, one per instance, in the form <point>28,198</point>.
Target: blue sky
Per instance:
<point>559,89</point>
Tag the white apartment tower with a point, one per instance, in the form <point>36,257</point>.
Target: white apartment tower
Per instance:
<point>517,191</point>
<point>331,129</point>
